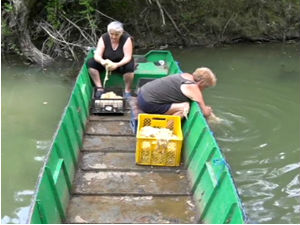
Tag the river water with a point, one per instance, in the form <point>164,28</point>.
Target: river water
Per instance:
<point>32,103</point>
<point>257,96</point>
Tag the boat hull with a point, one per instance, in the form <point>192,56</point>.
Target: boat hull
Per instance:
<point>212,185</point>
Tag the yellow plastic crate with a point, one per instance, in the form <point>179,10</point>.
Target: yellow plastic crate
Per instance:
<point>150,151</point>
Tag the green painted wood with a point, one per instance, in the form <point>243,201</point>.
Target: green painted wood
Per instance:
<point>193,131</point>
<point>193,114</point>
<point>70,147</point>
<point>39,213</point>
<point>54,184</point>
<point>212,185</point>
<point>70,125</point>
<point>53,189</point>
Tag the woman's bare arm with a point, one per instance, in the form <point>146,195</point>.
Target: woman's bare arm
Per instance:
<point>98,55</point>
<point>193,92</point>
<point>127,49</point>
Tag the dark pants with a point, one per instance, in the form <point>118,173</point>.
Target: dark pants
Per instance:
<point>152,108</point>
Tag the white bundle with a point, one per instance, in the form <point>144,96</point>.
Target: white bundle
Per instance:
<point>159,133</point>
<point>110,95</point>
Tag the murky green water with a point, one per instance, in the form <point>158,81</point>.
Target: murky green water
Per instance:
<point>32,102</point>
<point>257,95</point>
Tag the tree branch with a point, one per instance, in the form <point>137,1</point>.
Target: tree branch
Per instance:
<point>161,12</point>
<point>80,30</point>
<point>59,40</point>
<point>226,24</point>
<point>101,13</point>
<point>173,22</point>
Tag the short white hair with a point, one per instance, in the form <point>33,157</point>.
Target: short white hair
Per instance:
<point>116,26</point>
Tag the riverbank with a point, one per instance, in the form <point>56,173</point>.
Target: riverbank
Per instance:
<point>62,28</point>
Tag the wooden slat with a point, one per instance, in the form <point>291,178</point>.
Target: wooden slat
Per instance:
<point>109,143</point>
<point>132,183</point>
<point>117,128</point>
<point>126,209</point>
<point>122,161</point>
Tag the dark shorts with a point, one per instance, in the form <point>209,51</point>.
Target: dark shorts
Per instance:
<point>152,107</point>
<point>127,68</point>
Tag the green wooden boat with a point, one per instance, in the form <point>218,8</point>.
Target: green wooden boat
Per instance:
<point>90,175</point>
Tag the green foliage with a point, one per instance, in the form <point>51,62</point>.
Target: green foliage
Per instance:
<point>10,46</point>
<point>5,30</point>
<point>223,20</point>
<point>6,9</point>
<point>54,8</point>
<point>88,12</point>
<point>88,7</point>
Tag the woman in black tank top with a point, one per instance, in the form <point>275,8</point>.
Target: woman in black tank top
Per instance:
<point>115,47</point>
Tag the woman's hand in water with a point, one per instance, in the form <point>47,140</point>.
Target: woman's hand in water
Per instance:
<point>207,110</point>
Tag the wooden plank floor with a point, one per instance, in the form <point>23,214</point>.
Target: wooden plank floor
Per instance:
<point>110,188</point>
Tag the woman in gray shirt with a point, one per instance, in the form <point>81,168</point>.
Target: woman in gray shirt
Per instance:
<point>171,95</point>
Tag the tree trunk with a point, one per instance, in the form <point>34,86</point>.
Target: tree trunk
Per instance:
<point>29,50</point>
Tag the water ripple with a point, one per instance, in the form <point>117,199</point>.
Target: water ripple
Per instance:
<point>258,210</point>
<point>43,145</point>
<point>21,195</point>
<point>243,121</point>
<point>292,189</point>
<point>251,174</point>
<point>258,188</point>
<point>256,127</point>
<point>287,168</point>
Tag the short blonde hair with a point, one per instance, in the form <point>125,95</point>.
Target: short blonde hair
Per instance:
<point>205,74</point>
